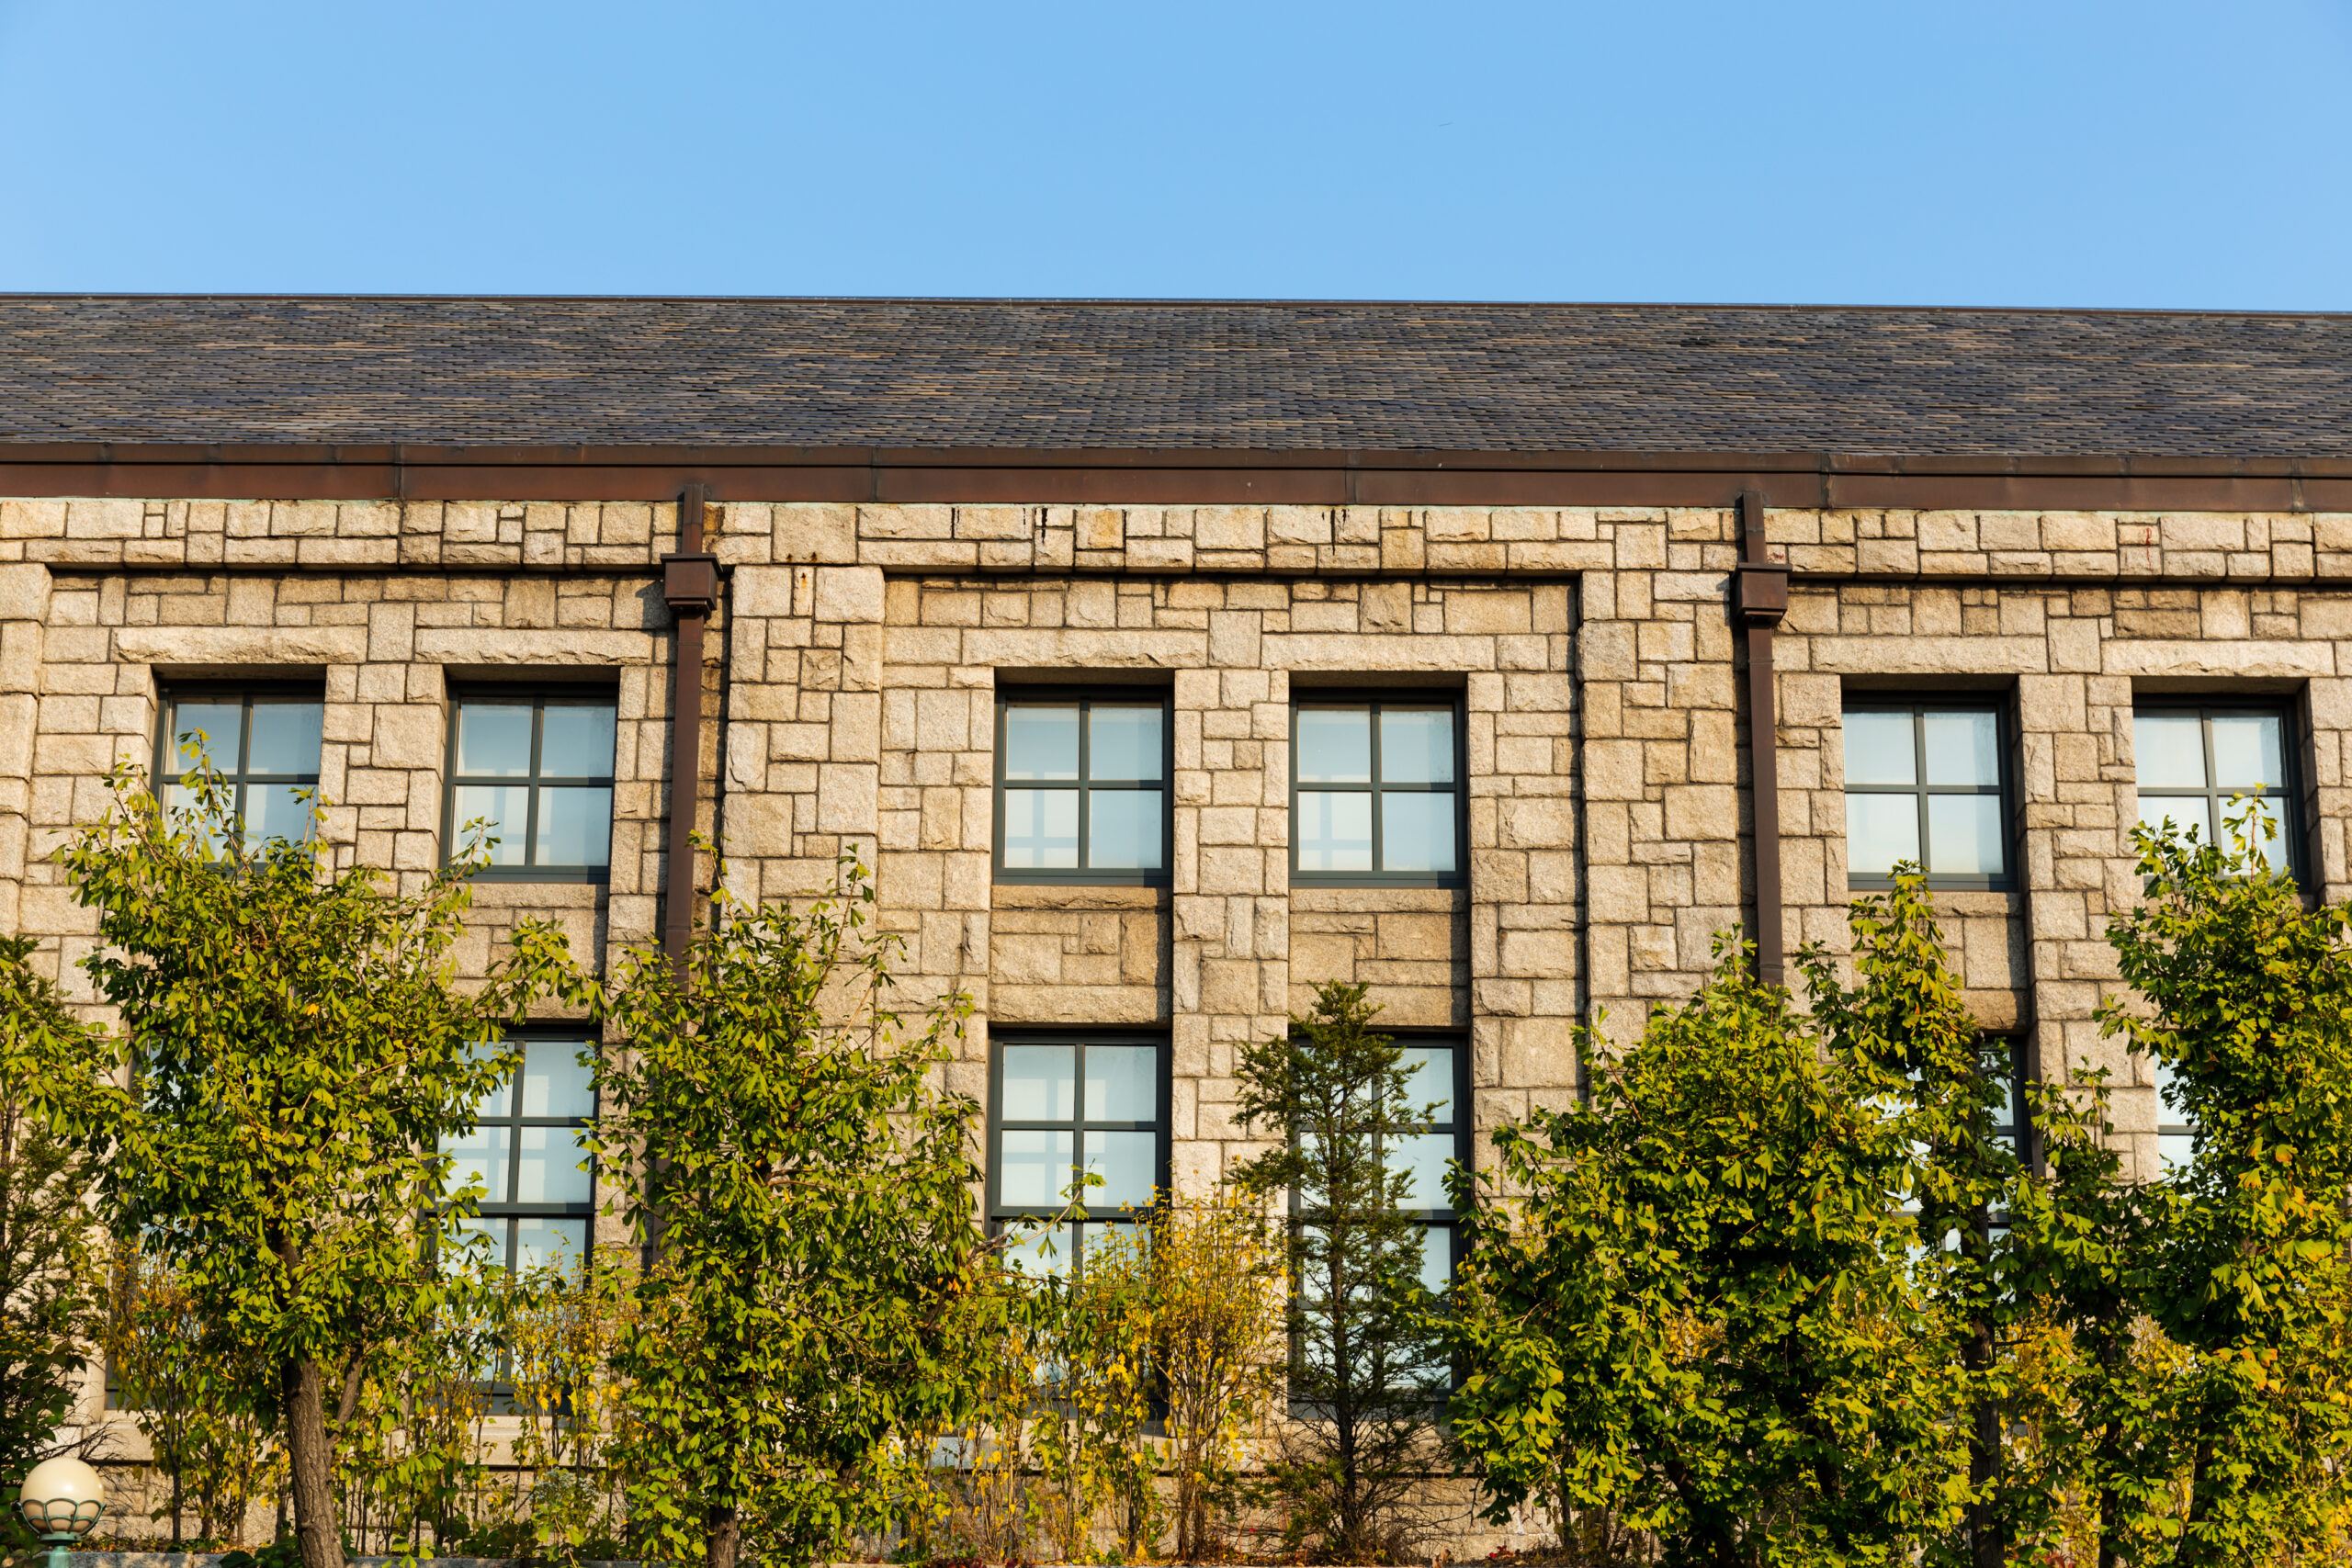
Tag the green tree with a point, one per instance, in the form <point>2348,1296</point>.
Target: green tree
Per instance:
<point>2084,1238</point>
<point>1366,1376</point>
<point>1213,1323</point>
<point>1687,1304</point>
<point>820,1281</point>
<point>205,1405</point>
<point>53,1303</point>
<point>2246,995</point>
<point>299,1047</point>
<point>1904,1017</point>
<point>1085,1427</point>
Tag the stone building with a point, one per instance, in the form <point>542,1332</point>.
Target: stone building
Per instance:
<point>1165,660</point>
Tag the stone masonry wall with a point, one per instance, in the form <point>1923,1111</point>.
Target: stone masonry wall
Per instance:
<point>851,674</point>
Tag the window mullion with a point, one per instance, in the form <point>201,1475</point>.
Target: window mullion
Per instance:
<point>2213,801</point>
<point>1085,781</point>
<point>531,785</point>
<point>1371,746</point>
<point>1919,777</point>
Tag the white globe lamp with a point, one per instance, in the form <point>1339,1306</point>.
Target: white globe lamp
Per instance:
<point>62,1500</point>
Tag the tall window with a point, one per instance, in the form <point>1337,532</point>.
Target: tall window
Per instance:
<point>1925,783</point>
<point>1437,1072</point>
<point>538,766</point>
<point>2175,1133</point>
<point>2191,759</point>
<point>1081,789</point>
<point>1068,1106</point>
<point>525,1150</point>
<point>262,739</point>
<point>1376,791</point>
<point>2005,1054</point>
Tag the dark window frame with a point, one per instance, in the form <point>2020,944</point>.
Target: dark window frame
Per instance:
<point>170,693</point>
<point>1000,1213</point>
<point>2004,791</point>
<point>540,696</point>
<point>514,1122</point>
<point>1375,698</point>
<point>2293,828</point>
<point>1084,696</point>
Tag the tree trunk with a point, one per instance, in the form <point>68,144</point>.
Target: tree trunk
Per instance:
<point>315,1528</point>
<point>722,1536</point>
<point>2113,1360</point>
<point>1987,1539</point>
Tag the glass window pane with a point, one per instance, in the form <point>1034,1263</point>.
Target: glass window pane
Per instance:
<point>1881,830</point>
<point>1416,745</point>
<point>1432,1080</point>
<point>477,1243</point>
<point>1034,1167</point>
<point>1040,741</point>
<point>1417,831</point>
<point>2176,1151</point>
<point>180,812</point>
<point>555,1083</point>
<point>2249,750</point>
<point>1334,831</point>
<point>1421,1157</point>
<point>1962,748</point>
<point>540,1243</point>
<point>483,1154</point>
<point>546,1169</point>
<point>497,1102</point>
<point>1879,748</point>
<point>285,739</point>
<point>2168,749</point>
<point>1040,1251</point>
<point>276,812</point>
<point>2267,833</point>
<point>576,742</point>
<point>1123,741</point>
<point>222,724</point>
<point>504,809</point>
<point>1437,1258</point>
<point>575,826</point>
<point>1125,1161</point>
<point>1964,835</point>
<point>1335,745</point>
<point>1041,829</point>
<point>1105,1242</point>
<point>1040,1083</point>
<point>1123,830</point>
<point>1121,1083</point>
<point>494,740</point>
<point>2184,811</point>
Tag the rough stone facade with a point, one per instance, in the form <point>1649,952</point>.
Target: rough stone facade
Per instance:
<point>857,652</point>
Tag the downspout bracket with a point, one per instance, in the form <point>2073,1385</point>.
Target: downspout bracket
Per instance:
<point>690,582</point>
<point>1761,592</point>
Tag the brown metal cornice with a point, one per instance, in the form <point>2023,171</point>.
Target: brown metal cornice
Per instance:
<point>1174,475</point>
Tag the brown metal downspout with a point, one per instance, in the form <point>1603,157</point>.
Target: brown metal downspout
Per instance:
<point>690,587</point>
<point>1759,598</point>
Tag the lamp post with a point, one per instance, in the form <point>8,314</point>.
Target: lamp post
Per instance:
<point>61,1499</point>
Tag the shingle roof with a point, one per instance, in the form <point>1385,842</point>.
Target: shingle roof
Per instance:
<point>1111,374</point>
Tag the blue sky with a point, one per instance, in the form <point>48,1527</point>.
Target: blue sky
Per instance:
<point>2142,152</point>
